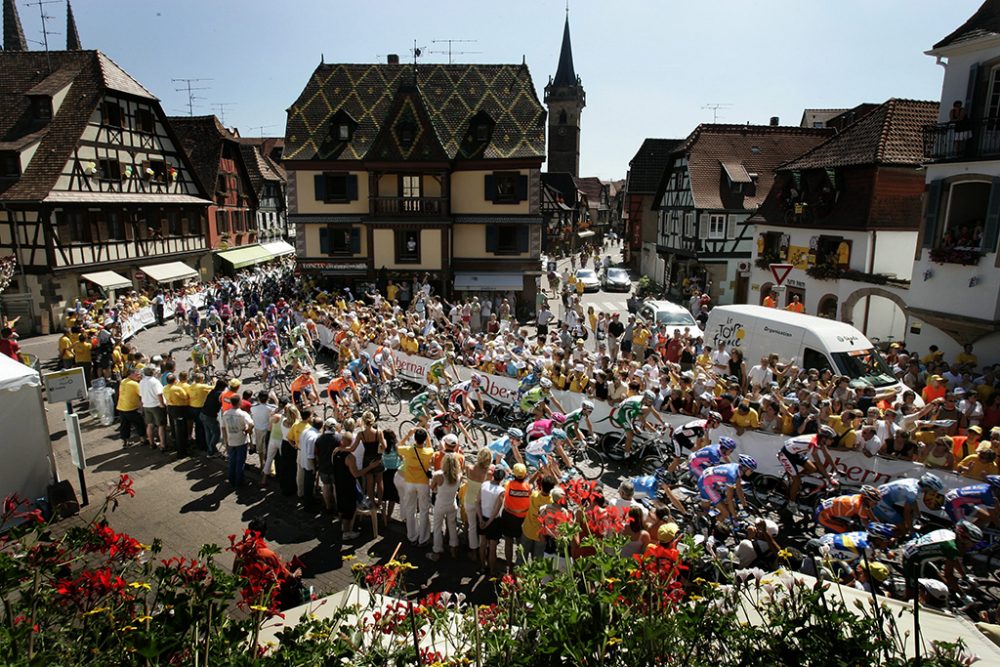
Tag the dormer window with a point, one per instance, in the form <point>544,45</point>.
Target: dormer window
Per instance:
<point>41,107</point>
<point>144,121</point>
<point>112,113</point>
<point>344,132</point>
<point>10,164</point>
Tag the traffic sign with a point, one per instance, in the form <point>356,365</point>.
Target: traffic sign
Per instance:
<point>780,272</point>
<point>65,386</point>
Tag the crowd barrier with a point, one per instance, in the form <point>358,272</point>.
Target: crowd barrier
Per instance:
<point>145,317</point>
<point>854,468</point>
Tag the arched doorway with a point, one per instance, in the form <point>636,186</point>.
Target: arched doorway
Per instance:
<point>765,289</point>
<point>876,312</point>
<point>827,307</point>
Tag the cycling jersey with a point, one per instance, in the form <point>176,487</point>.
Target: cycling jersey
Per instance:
<point>540,427</point>
<point>460,391</point>
<point>688,435</point>
<point>501,447</point>
<point>935,545</point>
<point>625,414</point>
<point>794,454</point>
<point>297,353</point>
<point>714,481</point>
<point>705,457</point>
<point>646,485</point>
<point>896,495</point>
<point>302,383</point>
<point>833,513</point>
<point>297,332</point>
<point>356,366</point>
<point>537,451</point>
<point>848,546</point>
<point>573,421</point>
<point>339,386</point>
<point>527,382</point>
<point>420,404</point>
<point>962,503</point>
<point>436,371</point>
<point>532,399</point>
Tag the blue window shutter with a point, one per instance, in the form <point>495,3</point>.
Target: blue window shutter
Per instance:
<point>931,216</point>
<point>491,237</point>
<point>352,187</point>
<point>324,240</point>
<point>490,188</point>
<point>992,218</point>
<point>355,240</point>
<point>320,181</point>
<point>522,188</point>
<point>523,234</point>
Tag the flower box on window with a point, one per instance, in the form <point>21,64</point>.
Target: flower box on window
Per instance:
<point>964,256</point>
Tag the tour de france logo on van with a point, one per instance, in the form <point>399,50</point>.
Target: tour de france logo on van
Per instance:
<point>731,333</point>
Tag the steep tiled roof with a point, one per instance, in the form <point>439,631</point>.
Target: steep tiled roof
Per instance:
<point>591,187</point>
<point>809,116</point>
<point>648,164</point>
<point>35,72</point>
<point>259,167</point>
<point>757,148</point>
<point>984,23</point>
<point>451,94</point>
<point>889,135</point>
<point>563,183</point>
<point>202,138</point>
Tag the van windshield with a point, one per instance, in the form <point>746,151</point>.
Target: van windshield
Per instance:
<point>866,365</point>
<point>677,318</point>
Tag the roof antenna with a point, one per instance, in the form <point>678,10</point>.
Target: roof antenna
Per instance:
<point>45,28</point>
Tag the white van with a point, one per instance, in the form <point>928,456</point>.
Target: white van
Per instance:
<point>677,318</point>
<point>802,340</point>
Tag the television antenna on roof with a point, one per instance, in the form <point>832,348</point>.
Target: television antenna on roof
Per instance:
<point>715,107</point>
<point>45,29</point>
<point>190,90</point>
<point>222,106</point>
<point>449,42</point>
<point>261,128</point>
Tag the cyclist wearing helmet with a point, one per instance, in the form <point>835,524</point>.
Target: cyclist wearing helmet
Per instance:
<point>839,514</point>
<point>575,418</point>
<point>305,391</point>
<point>530,380</point>
<point>693,435</point>
<point>719,484</point>
<point>343,393</point>
<point>801,455</point>
<point>536,454</point>
<point>632,415</point>
<point>510,443</point>
<point>536,401</point>
<point>850,546</point>
<point>437,373</point>
<point>358,366</point>
<point>543,427</point>
<point>424,404</point>
<point>299,356</point>
<point>270,358</point>
<point>713,455</point>
<point>945,545</point>
<point>976,503</point>
<point>899,500</point>
<point>463,394</point>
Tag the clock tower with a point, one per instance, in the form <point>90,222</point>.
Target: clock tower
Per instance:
<point>565,99</point>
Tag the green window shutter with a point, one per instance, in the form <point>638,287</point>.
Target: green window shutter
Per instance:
<point>523,235</point>
<point>324,241</point>
<point>992,217</point>
<point>320,185</point>
<point>352,187</point>
<point>490,188</point>
<point>491,237</point>
<point>522,188</point>
<point>355,240</point>
<point>931,215</point>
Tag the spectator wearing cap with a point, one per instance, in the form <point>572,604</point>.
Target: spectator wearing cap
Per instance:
<point>979,465</point>
<point>934,389</point>
<point>232,389</point>
<point>579,381</point>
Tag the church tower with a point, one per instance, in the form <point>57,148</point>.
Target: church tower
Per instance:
<point>565,99</point>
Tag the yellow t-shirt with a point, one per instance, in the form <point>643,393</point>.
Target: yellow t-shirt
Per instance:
<point>977,469</point>
<point>410,466</point>
<point>197,393</point>
<point>850,436</point>
<point>175,395</point>
<point>559,381</point>
<point>748,420</point>
<point>641,337</point>
<point>128,396</point>
<point>391,291</point>
<point>531,524</point>
<point>81,350</point>
<point>295,432</point>
<point>409,345</point>
<point>578,382</point>
<point>965,358</point>
<point>65,348</point>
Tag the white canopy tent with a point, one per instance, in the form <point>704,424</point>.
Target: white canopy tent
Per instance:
<point>28,466</point>
<point>279,248</point>
<point>168,272</point>
<point>109,280</point>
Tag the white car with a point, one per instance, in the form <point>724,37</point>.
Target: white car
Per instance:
<point>676,317</point>
<point>591,283</point>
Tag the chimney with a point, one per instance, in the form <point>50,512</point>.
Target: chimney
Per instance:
<point>775,121</point>
<point>393,59</point>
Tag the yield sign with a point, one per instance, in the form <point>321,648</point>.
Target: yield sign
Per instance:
<point>780,272</point>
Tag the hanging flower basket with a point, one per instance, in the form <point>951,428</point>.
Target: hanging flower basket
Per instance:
<point>963,256</point>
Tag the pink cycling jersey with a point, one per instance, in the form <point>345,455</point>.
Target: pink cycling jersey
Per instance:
<point>540,427</point>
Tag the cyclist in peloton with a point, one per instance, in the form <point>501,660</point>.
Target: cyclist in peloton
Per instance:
<point>343,393</point>
<point>950,546</point>
<point>536,400</point>
<point>693,435</point>
<point>575,419</point>
<point>305,391</point>
<point>509,443</point>
<point>270,358</point>
<point>530,380</point>
<point>632,415</point>
<point>976,503</point>
<point>465,395</point>
<point>709,456</point>
<point>424,404</point>
<point>437,373</point>
<point>850,546</point>
<point>801,455</point>
<point>299,356</point>
<point>840,514</point>
<point>543,427</point>
<point>899,500</point>
<point>538,452</point>
<point>720,485</point>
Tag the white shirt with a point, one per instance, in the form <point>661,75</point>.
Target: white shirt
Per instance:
<point>976,415</point>
<point>871,446</point>
<point>234,426</point>
<point>307,448</point>
<point>760,376</point>
<point>261,415</point>
<point>150,391</point>
<point>489,497</point>
<point>720,359</point>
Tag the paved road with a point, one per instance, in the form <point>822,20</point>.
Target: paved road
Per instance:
<point>187,502</point>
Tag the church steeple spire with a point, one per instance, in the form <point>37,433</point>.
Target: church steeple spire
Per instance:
<point>565,74</point>
<point>72,35</point>
<point>13,33</point>
<point>565,99</point>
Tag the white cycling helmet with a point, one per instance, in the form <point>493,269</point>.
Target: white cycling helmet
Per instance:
<point>545,383</point>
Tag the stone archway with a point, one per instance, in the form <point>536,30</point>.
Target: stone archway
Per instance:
<point>827,306</point>
<point>847,307</point>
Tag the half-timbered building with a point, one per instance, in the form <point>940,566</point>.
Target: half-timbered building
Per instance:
<point>401,171</point>
<point>268,181</point>
<point>95,194</point>
<point>711,185</point>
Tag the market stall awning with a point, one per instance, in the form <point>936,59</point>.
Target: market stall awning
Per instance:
<point>168,272</point>
<point>107,279</point>
<point>279,248</point>
<point>488,282</point>
<point>585,235</point>
<point>245,255</point>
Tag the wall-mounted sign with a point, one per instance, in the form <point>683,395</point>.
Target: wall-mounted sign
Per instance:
<point>334,266</point>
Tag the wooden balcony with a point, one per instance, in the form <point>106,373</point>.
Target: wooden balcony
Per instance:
<point>410,207</point>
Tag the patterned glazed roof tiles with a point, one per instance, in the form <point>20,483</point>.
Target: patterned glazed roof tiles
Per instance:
<point>450,95</point>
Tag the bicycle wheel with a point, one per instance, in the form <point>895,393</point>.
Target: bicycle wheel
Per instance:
<point>477,435</point>
<point>648,465</point>
<point>405,426</point>
<point>589,461</point>
<point>393,404</point>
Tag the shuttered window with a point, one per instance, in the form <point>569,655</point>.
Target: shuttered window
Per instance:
<point>334,240</point>
<point>336,188</point>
